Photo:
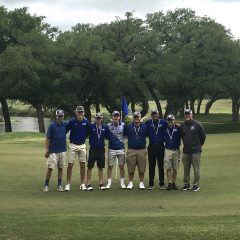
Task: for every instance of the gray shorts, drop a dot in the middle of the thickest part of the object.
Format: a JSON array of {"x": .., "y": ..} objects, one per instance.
[{"x": 116, "y": 154}]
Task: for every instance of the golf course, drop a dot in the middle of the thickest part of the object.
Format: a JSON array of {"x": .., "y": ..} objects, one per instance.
[{"x": 28, "y": 213}]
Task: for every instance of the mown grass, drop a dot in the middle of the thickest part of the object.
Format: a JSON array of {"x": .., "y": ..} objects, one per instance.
[{"x": 28, "y": 213}]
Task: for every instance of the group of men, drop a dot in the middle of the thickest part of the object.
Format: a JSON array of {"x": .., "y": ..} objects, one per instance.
[{"x": 164, "y": 143}]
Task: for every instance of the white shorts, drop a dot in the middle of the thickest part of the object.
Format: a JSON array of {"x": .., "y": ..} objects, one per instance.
[
  {"x": 116, "y": 154},
  {"x": 78, "y": 151},
  {"x": 56, "y": 160}
]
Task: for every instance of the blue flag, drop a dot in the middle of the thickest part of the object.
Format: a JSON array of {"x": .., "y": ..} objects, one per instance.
[{"x": 124, "y": 106}]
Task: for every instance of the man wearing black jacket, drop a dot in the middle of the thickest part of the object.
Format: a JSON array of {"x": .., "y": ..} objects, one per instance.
[{"x": 193, "y": 137}]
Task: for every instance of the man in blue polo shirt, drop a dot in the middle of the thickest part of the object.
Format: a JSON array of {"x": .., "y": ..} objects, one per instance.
[
  {"x": 156, "y": 130},
  {"x": 136, "y": 133},
  {"x": 79, "y": 128},
  {"x": 98, "y": 132},
  {"x": 56, "y": 149},
  {"x": 172, "y": 152}
]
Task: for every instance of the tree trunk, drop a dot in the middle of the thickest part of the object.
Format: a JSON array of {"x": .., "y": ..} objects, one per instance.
[
  {"x": 186, "y": 105},
  {"x": 145, "y": 107},
  {"x": 98, "y": 107},
  {"x": 155, "y": 98},
  {"x": 40, "y": 117},
  {"x": 6, "y": 115},
  {"x": 199, "y": 105},
  {"x": 192, "y": 107},
  {"x": 235, "y": 108},
  {"x": 171, "y": 108},
  {"x": 87, "y": 111},
  {"x": 210, "y": 103},
  {"x": 133, "y": 106}
]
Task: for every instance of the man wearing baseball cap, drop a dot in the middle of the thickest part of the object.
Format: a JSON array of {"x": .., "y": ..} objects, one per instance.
[
  {"x": 136, "y": 154},
  {"x": 79, "y": 128},
  {"x": 98, "y": 131},
  {"x": 193, "y": 137},
  {"x": 116, "y": 149},
  {"x": 172, "y": 152},
  {"x": 156, "y": 131},
  {"x": 56, "y": 149}
]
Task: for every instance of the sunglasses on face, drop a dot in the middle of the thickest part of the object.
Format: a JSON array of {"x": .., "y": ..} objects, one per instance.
[{"x": 60, "y": 116}]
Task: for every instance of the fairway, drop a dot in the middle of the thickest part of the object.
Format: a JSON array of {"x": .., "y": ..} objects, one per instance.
[{"x": 28, "y": 213}]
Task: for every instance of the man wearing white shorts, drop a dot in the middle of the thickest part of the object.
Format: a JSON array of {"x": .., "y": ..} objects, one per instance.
[
  {"x": 56, "y": 149},
  {"x": 172, "y": 152},
  {"x": 78, "y": 128},
  {"x": 116, "y": 150}
]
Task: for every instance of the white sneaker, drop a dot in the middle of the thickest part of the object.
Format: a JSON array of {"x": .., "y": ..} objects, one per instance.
[
  {"x": 141, "y": 186},
  {"x": 101, "y": 187},
  {"x": 46, "y": 188},
  {"x": 67, "y": 188},
  {"x": 89, "y": 187},
  {"x": 130, "y": 186},
  {"x": 122, "y": 186},
  {"x": 60, "y": 189},
  {"x": 83, "y": 187},
  {"x": 108, "y": 186}
]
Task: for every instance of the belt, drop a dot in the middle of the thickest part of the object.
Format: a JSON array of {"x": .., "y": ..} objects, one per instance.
[
  {"x": 156, "y": 144},
  {"x": 172, "y": 149},
  {"x": 81, "y": 143}
]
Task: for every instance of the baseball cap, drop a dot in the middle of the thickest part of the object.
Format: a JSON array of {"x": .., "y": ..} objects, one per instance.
[
  {"x": 170, "y": 117},
  {"x": 136, "y": 114},
  {"x": 59, "y": 112},
  {"x": 115, "y": 113},
  {"x": 187, "y": 111},
  {"x": 79, "y": 109},
  {"x": 99, "y": 115},
  {"x": 154, "y": 111}
]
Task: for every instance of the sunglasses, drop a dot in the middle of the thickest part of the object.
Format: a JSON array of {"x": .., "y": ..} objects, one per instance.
[{"x": 59, "y": 116}]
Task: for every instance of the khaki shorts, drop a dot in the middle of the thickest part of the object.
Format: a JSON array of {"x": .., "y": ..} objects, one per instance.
[
  {"x": 56, "y": 160},
  {"x": 116, "y": 154},
  {"x": 136, "y": 157},
  {"x": 171, "y": 159},
  {"x": 78, "y": 151}
]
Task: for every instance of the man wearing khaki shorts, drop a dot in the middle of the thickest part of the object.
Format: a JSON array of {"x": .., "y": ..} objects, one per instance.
[
  {"x": 172, "y": 152},
  {"x": 78, "y": 128},
  {"x": 136, "y": 154},
  {"x": 56, "y": 149}
]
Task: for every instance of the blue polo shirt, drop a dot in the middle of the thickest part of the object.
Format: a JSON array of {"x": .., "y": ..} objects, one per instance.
[
  {"x": 97, "y": 135},
  {"x": 78, "y": 130},
  {"x": 156, "y": 130},
  {"x": 136, "y": 135},
  {"x": 173, "y": 137},
  {"x": 57, "y": 137}
]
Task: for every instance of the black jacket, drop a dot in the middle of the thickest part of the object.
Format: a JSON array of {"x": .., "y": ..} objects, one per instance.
[{"x": 193, "y": 136}]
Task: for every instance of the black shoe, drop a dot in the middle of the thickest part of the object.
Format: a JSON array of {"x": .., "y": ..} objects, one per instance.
[
  {"x": 195, "y": 188},
  {"x": 186, "y": 187},
  {"x": 150, "y": 188},
  {"x": 174, "y": 186},
  {"x": 169, "y": 187}
]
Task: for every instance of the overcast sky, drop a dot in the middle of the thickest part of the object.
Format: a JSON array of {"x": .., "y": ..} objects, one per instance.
[{"x": 67, "y": 13}]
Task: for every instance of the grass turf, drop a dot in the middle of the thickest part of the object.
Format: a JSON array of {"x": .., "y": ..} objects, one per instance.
[{"x": 28, "y": 213}]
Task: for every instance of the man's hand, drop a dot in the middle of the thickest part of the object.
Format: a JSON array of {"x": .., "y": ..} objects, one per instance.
[{"x": 47, "y": 154}]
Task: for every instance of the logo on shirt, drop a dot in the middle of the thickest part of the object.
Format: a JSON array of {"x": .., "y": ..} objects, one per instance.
[
  {"x": 84, "y": 124},
  {"x": 192, "y": 127}
]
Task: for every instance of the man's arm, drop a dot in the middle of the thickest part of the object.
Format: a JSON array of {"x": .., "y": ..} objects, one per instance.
[
  {"x": 47, "y": 142},
  {"x": 201, "y": 133}
]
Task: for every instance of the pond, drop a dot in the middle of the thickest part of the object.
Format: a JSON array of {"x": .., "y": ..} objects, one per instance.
[{"x": 25, "y": 124}]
